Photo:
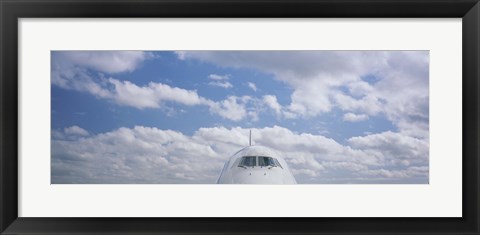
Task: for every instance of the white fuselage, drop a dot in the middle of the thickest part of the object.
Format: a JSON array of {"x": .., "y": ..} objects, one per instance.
[{"x": 256, "y": 165}]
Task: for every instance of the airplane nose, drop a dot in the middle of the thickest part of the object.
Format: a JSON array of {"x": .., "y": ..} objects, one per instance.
[{"x": 258, "y": 177}]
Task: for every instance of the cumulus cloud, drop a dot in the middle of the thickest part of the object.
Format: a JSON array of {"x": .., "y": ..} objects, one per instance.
[
  {"x": 400, "y": 174},
  {"x": 271, "y": 102},
  {"x": 76, "y": 130},
  {"x": 151, "y": 155},
  {"x": 252, "y": 86},
  {"x": 299, "y": 69},
  {"x": 151, "y": 96},
  {"x": 394, "y": 148},
  {"x": 361, "y": 84},
  {"x": 232, "y": 108},
  {"x": 219, "y": 77},
  {"x": 138, "y": 155},
  {"x": 105, "y": 61},
  {"x": 73, "y": 70},
  {"x": 223, "y": 84},
  {"x": 126, "y": 93},
  {"x": 323, "y": 80},
  {"x": 220, "y": 80},
  {"x": 68, "y": 75},
  {"x": 351, "y": 117},
  {"x": 368, "y": 104}
]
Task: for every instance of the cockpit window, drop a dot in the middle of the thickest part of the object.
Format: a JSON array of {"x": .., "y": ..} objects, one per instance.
[
  {"x": 266, "y": 161},
  {"x": 278, "y": 163},
  {"x": 251, "y": 161},
  {"x": 248, "y": 162}
]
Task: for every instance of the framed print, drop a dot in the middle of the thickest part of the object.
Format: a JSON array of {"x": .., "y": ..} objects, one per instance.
[{"x": 239, "y": 117}]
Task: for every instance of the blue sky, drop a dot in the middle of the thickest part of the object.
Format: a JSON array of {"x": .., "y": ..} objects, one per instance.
[{"x": 176, "y": 116}]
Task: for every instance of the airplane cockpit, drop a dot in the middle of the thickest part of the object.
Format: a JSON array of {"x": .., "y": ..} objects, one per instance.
[
  {"x": 260, "y": 161},
  {"x": 256, "y": 165}
]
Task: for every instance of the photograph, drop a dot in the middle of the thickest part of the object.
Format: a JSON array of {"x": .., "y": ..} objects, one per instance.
[
  {"x": 155, "y": 117},
  {"x": 239, "y": 117}
]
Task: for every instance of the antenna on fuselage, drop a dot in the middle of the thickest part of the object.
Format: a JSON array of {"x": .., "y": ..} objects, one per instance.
[{"x": 250, "y": 137}]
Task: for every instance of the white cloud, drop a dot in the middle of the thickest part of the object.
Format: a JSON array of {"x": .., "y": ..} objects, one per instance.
[
  {"x": 351, "y": 117},
  {"x": 76, "y": 130},
  {"x": 232, "y": 108},
  {"x": 394, "y": 148},
  {"x": 223, "y": 84},
  {"x": 271, "y": 101},
  {"x": 253, "y": 116},
  {"x": 126, "y": 93},
  {"x": 220, "y": 80},
  {"x": 349, "y": 166},
  {"x": 252, "y": 86},
  {"x": 310, "y": 99},
  {"x": 138, "y": 155},
  {"x": 399, "y": 174},
  {"x": 151, "y": 96},
  {"x": 309, "y": 73},
  {"x": 151, "y": 155},
  {"x": 360, "y": 88},
  {"x": 70, "y": 71},
  {"x": 320, "y": 80},
  {"x": 219, "y": 77},
  {"x": 323, "y": 80},
  {"x": 105, "y": 61},
  {"x": 368, "y": 104}
]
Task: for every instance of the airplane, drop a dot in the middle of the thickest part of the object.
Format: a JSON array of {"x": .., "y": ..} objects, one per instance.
[{"x": 256, "y": 165}]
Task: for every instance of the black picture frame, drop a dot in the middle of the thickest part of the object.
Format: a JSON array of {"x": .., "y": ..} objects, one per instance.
[{"x": 12, "y": 10}]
